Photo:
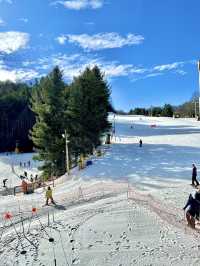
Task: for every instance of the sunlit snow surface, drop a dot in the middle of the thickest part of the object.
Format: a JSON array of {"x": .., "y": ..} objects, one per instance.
[{"x": 147, "y": 229}]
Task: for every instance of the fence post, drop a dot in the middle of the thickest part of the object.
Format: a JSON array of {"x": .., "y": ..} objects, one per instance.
[
  {"x": 102, "y": 189},
  {"x": 128, "y": 188},
  {"x": 48, "y": 219},
  {"x": 80, "y": 193},
  {"x": 53, "y": 217}
]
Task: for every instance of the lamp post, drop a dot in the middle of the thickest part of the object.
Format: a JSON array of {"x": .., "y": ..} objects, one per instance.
[
  {"x": 66, "y": 151},
  {"x": 114, "y": 124},
  {"x": 199, "y": 87},
  {"x": 195, "y": 108}
]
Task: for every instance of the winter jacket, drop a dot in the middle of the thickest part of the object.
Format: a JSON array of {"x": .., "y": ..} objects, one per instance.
[
  {"x": 194, "y": 172},
  {"x": 194, "y": 204},
  {"x": 49, "y": 193}
]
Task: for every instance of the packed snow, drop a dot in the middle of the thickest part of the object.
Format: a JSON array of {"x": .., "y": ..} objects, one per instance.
[{"x": 124, "y": 209}]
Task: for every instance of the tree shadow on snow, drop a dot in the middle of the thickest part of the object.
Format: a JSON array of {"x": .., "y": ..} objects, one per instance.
[
  {"x": 150, "y": 163},
  {"x": 144, "y": 130}
]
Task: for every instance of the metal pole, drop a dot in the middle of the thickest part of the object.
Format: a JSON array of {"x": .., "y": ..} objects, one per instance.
[
  {"x": 199, "y": 93},
  {"x": 48, "y": 219},
  {"x": 67, "y": 153},
  {"x": 198, "y": 64}
]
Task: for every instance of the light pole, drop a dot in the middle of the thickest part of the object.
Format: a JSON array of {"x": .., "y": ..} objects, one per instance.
[
  {"x": 195, "y": 108},
  {"x": 199, "y": 87},
  {"x": 66, "y": 151},
  {"x": 114, "y": 124}
]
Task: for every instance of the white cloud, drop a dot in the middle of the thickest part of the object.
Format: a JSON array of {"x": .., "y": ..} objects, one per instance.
[
  {"x": 73, "y": 65},
  {"x": 81, "y": 4},
  {"x": 16, "y": 75},
  {"x": 181, "y": 72},
  {"x": 101, "y": 40},
  {"x": 2, "y": 22},
  {"x": 114, "y": 69},
  {"x": 61, "y": 39},
  {"x": 12, "y": 41},
  {"x": 153, "y": 75},
  {"x": 171, "y": 66}
]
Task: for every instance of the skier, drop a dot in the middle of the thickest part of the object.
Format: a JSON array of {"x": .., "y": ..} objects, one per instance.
[
  {"x": 4, "y": 182},
  {"x": 31, "y": 179},
  {"x": 36, "y": 177},
  {"x": 29, "y": 164},
  {"x": 194, "y": 175},
  {"x": 193, "y": 211},
  {"x": 140, "y": 143},
  {"x": 20, "y": 164},
  {"x": 49, "y": 196},
  {"x": 24, "y": 187}
]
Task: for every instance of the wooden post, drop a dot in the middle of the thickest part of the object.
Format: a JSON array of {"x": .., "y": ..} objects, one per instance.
[
  {"x": 48, "y": 219},
  {"x": 80, "y": 193}
]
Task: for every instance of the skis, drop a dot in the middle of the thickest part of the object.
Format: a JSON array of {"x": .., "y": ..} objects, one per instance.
[{"x": 49, "y": 205}]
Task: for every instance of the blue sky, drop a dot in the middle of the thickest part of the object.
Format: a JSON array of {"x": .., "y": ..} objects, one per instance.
[{"x": 147, "y": 48}]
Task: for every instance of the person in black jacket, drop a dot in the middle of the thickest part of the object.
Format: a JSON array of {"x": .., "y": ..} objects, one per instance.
[
  {"x": 194, "y": 175},
  {"x": 4, "y": 182},
  {"x": 193, "y": 209},
  {"x": 140, "y": 143}
]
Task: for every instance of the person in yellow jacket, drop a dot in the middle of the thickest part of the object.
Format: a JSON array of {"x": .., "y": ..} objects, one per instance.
[{"x": 49, "y": 196}]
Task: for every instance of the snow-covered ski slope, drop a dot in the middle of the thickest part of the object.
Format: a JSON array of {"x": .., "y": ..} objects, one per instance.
[
  {"x": 168, "y": 151},
  {"x": 146, "y": 229},
  {"x": 10, "y": 161}
]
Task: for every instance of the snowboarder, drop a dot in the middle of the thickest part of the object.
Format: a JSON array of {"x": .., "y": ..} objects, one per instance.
[
  {"x": 194, "y": 175},
  {"x": 29, "y": 164},
  {"x": 4, "y": 182},
  {"x": 49, "y": 196},
  {"x": 140, "y": 143},
  {"x": 193, "y": 211},
  {"x": 20, "y": 164},
  {"x": 24, "y": 165}
]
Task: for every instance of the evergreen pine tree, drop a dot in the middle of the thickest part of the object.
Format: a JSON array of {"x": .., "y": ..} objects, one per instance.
[
  {"x": 48, "y": 105},
  {"x": 167, "y": 110},
  {"x": 88, "y": 108}
]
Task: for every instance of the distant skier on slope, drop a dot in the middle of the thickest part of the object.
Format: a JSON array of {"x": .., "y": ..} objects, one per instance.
[
  {"x": 194, "y": 175},
  {"x": 49, "y": 196},
  {"x": 193, "y": 208},
  {"x": 140, "y": 143},
  {"x": 4, "y": 182}
]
